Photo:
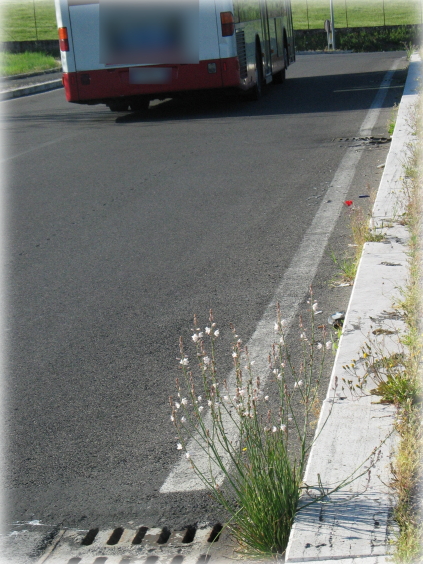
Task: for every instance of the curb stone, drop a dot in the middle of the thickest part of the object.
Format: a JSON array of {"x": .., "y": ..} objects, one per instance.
[
  {"x": 355, "y": 524},
  {"x": 28, "y": 90}
]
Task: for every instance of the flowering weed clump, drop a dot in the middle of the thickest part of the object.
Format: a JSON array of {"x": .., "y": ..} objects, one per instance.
[{"x": 255, "y": 443}]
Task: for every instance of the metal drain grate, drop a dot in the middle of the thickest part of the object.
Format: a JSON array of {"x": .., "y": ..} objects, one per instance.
[
  {"x": 194, "y": 545},
  {"x": 368, "y": 140}
]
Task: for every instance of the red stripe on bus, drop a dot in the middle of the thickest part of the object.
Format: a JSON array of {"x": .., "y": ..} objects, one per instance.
[{"x": 114, "y": 83}]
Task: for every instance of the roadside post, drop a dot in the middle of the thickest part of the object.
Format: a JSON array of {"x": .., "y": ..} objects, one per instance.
[
  {"x": 328, "y": 29},
  {"x": 332, "y": 24}
]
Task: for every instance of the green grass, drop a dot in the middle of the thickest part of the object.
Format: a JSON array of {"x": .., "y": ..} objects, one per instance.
[
  {"x": 17, "y": 22},
  {"x": 21, "y": 63},
  {"x": 355, "y": 13}
]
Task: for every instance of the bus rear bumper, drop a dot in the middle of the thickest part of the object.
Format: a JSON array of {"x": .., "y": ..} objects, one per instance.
[{"x": 105, "y": 84}]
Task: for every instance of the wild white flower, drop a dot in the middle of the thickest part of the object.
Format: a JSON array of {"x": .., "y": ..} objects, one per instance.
[
  {"x": 207, "y": 330},
  {"x": 206, "y": 360},
  {"x": 184, "y": 401},
  {"x": 328, "y": 345},
  {"x": 252, "y": 362},
  {"x": 276, "y": 326},
  {"x": 282, "y": 340},
  {"x": 314, "y": 307},
  {"x": 239, "y": 342},
  {"x": 200, "y": 398},
  {"x": 279, "y": 376},
  {"x": 179, "y": 446},
  {"x": 284, "y": 323},
  {"x": 235, "y": 355},
  {"x": 177, "y": 405},
  {"x": 200, "y": 335},
  {"x": 319, "y": 346},
  {"x": 216, "y": 333},
  {"x": 266, "y": 429},
  {"x": 184, "y": 361},
  {"x": 298, "y": 384},
  {"x": 195, "y": 337},
  {"x": 283, "y": 428},
  {"x": 266, "y": 398},
  {"x": 172, "y": 418},
  {"x": 275, "y": 371},
  {"x": 226, "y": 398},
  {"x": 183, "y": 419},
  {"x": 274, "y": 429},
  {"x": 209, "y": 403},
  {"x": 187, "y": 455},
  {"x": 242, "y": 392},
  {"x": 200, "y": 409},
  {"x": 289, "y": 418},
  {"x": 303, "y": 337}
]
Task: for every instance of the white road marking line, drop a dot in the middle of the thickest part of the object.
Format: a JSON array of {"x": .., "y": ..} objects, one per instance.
[
  {"x": 38, "y": 147},
  {"x": 290, "y": 293}
]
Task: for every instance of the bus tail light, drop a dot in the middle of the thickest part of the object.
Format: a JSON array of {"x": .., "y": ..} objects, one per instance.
[
  {"x": 228, "y": 23},
  {"x": 63, "y": 39}
]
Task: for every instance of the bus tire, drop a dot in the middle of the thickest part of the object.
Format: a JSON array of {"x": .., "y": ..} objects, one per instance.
[
  {"x": 139, "y": 104},
  {"x": 257, "y": 90},
  {"x": 279, "y": 77},
  {"x": 118, "y": 105}
]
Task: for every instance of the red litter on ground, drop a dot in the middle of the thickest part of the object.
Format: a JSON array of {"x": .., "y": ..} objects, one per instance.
[{"x": 348, "y": 203}]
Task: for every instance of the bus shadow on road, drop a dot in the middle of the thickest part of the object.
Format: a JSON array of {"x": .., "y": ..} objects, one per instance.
[{"x": 327, "y": 94}]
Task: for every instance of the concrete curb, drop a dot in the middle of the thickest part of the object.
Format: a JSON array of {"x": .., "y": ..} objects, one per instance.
[
  {"x": 354, "y": 524},
  {"x": 33, "y": 89}
]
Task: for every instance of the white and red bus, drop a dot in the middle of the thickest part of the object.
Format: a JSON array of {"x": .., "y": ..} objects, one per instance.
[{"x": 126, "y": 53}]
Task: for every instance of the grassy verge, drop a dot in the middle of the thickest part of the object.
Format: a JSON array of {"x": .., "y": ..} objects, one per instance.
[
  {"x": 406, "y": 469},
  {"x": 27, "y": 20},
  {"x": 20, "y": 63},
  {"x": 311, "y": 14}
]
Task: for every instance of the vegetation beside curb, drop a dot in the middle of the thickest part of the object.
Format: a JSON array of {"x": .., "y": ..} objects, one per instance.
[
  {"x": 398, "y": 376},
  {"x": 407, "y": 467},
  {"x": 21, "y": 63}
]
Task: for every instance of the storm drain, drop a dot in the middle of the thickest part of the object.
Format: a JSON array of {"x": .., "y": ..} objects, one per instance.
[
  {"x": 360, "y": 141},
  {"x": 194, "y": 545}
]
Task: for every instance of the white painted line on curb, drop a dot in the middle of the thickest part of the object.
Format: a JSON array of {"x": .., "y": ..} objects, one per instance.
[{"x": 290, "y": 293}]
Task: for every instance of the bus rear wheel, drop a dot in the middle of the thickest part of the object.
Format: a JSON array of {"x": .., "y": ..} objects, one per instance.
[
  {"x": 139, "y": 104},
  {"x": 118, "y": 105},
  {"x": 279, "y": 77},
  {"x": 257, "y": 90}
]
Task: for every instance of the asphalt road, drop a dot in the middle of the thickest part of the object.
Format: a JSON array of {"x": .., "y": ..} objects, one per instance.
[{"x": 119, "y": 228}]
